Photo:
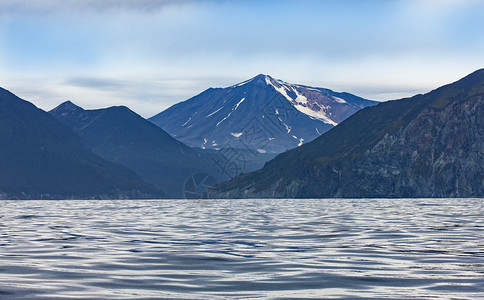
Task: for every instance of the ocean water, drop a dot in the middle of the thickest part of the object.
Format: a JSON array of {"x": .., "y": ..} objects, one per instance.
[{"x": 242, "y": 249}]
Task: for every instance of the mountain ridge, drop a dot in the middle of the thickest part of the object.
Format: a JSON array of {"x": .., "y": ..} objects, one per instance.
[
  {"x": 401, "y": 148},
  {"x": 120, "y": 135},
  {"x": 40, "y": 158}
]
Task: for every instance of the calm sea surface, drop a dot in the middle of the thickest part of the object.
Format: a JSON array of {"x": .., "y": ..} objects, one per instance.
[{"x": 244, "y": 249}]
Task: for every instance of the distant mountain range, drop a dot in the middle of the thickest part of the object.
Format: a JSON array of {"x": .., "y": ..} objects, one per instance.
[
  {"x": 40, "y": 158},
  {"x": 429, "y": 145},
  {"x": 262, "y": 114},
  {"x": 426, "y": 146},
  {"x": 120, "y": 135}
]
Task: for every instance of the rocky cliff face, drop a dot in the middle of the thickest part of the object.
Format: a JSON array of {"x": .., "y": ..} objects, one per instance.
[
  {"x": 427, "y": 146},
  {"x": 438, "y": 154}
]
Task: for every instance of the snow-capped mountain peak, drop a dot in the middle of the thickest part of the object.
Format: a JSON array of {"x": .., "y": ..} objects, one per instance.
[
  {"x": 259, "y": 79},
  {"x": 280, "y": 115}
]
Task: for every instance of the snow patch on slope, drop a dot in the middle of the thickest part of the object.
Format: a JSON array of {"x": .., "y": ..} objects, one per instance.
[
  {"x": 214, "y": 112},
  {"x": 317, "y": 115},
  {"x": 299, "y": 139},
  {"x": 339, "y": 100},
  {"x": 288, "y": 128},
  {"x": 242, "y": 83},
  {"x": 299, "y": 98},
  {"x": 187, "y": 121},
  {"x": 233, "y": 109},
  {"x": 281, "y": 90}
]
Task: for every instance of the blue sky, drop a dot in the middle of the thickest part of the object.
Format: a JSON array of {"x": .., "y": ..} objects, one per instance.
[{"x": 149, "y": 54}]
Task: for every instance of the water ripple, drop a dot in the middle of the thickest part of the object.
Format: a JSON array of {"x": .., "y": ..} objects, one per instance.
[{"x": 245, "y": 249}]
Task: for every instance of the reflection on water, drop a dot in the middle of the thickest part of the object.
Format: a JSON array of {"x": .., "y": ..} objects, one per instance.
[{"x": 426, "y": 248}]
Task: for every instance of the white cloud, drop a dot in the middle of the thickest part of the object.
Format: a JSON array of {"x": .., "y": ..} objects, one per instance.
[
  {"x": 151, "y": 54},
  {"x": 86, "y": 6}
]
